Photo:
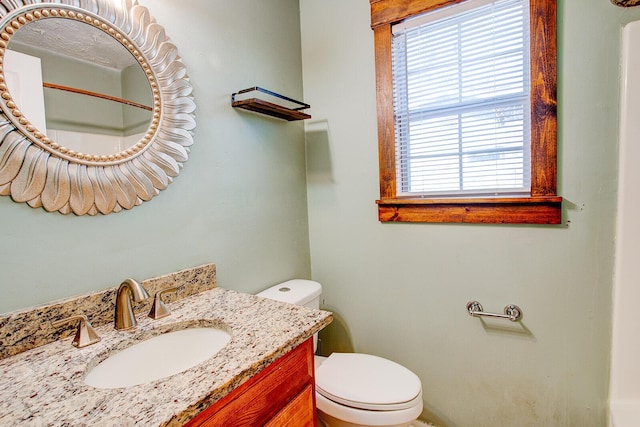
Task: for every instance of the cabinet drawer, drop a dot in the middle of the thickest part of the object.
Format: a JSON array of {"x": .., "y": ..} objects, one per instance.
[
  {"x": 255, "y": 402},
  {"x": 298, "y": 413}
]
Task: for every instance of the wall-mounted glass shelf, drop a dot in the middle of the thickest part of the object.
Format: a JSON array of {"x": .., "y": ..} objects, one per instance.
[{"x": 270, "y": 108}]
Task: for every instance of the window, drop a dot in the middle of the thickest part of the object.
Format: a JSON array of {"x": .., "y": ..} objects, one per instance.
[
  {"x": 466, "y": 110},
  {"x": 461, "y": 100}
]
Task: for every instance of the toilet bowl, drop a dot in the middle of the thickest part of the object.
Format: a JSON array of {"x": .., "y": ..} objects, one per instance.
[{"x": 354, "y": 389}]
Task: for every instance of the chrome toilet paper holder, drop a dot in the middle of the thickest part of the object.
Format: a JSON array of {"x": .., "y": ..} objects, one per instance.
[{"x": 511, "y": 311}]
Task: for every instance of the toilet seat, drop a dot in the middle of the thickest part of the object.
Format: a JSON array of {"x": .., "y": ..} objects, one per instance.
[
  {"x": 368, "y": 382},
  {"x": 329, "y": 410}
]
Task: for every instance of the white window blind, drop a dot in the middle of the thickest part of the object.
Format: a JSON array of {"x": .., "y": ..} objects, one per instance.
[{"x": 462, "y": 101}]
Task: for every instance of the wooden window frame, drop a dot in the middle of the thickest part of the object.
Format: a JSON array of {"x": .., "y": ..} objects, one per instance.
[{"x": 543, "y": 206}]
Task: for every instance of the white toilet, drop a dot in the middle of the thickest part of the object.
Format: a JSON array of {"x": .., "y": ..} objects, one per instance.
[{"x": 353, "y": 389}]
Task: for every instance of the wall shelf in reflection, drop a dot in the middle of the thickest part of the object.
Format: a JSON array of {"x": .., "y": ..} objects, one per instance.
[
  {"x": 47, "y": 85},
  {"x": 269, "y": 108}
]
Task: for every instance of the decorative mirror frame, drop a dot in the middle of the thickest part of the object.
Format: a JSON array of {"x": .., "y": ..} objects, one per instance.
[
  {"x": 626, "y": 3},
  {"x": 37, "y": 171}
]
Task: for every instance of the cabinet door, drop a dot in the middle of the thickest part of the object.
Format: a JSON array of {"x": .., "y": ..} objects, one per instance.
[
  {"x": 258, "y": 400},
  {"x": 298, "y": 413}
]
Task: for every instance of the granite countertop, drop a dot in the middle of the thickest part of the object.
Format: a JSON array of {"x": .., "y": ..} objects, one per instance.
[{"x": 45, "y": 387}]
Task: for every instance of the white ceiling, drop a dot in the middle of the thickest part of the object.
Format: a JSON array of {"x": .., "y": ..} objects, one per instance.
[{"x": 75, "y": 39}]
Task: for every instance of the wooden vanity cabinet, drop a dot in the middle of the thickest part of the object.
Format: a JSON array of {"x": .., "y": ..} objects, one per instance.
[{"x": 283, "y": 394}]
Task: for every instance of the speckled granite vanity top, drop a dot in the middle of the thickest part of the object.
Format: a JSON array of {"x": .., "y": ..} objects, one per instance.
[{"x": 45, "y": 386}]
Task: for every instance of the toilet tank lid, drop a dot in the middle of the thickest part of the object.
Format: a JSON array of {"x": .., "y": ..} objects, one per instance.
[{"x": 296, "y": 291}]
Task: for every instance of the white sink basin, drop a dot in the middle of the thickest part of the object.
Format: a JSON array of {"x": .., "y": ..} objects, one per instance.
[{"x": 158, "y": 357}]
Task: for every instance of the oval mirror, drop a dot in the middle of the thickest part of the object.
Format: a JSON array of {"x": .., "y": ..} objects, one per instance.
[
  {"x": 97, "y": 106},
  {"x": 95, "y": 97}
]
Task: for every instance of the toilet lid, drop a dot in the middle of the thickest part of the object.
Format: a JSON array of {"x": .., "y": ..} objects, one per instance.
[{"x": 367, "y": 382}]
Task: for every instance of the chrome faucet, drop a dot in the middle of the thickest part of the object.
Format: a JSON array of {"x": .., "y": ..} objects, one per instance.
[{"x": 129, "y": 291}]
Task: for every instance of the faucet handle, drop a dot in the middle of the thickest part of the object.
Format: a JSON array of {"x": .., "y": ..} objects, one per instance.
[
  {"x": 85, "y": 334},
  {"x": 159, "y": 309}
]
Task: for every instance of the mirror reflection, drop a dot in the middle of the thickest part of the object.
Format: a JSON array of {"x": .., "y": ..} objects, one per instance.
[{"x": 78, "y": 85}]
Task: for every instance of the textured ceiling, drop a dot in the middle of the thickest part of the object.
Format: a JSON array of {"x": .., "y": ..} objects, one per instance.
[{"x": 75, "y": 39}]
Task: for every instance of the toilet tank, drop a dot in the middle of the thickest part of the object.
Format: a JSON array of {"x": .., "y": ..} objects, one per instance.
[{"x": 296, "y": 291}]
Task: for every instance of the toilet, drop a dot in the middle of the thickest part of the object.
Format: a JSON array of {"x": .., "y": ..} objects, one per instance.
[{"x": 354, "y": 389}]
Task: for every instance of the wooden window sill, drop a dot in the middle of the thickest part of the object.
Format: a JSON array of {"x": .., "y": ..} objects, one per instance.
[{"x": 507, "y": 210}]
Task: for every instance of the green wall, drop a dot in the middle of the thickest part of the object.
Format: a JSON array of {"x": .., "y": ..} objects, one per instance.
[
  {"x": 400, "y": 290},
  {"x": 240, "y": 200},
  {"x": 81, "y": 113}
]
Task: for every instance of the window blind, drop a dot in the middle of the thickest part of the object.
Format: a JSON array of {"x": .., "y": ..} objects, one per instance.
[{"x": 461, "y": 83}]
